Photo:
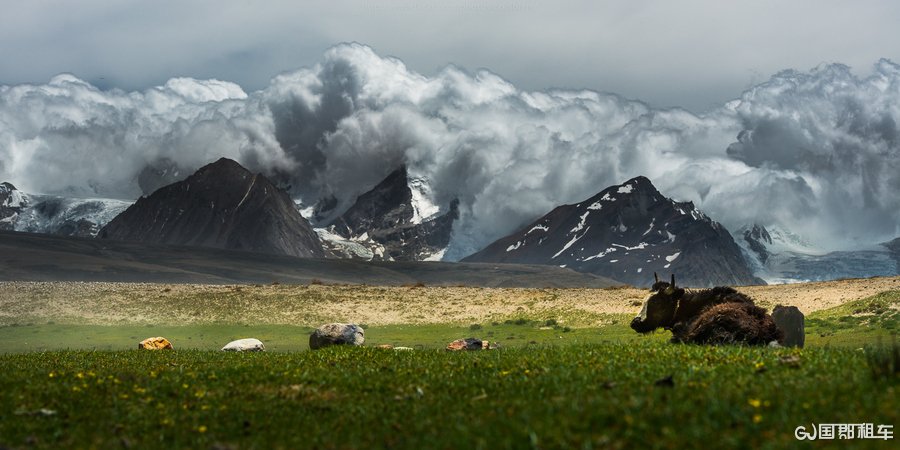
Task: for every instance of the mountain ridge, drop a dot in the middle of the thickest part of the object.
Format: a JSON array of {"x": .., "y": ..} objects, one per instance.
[
  {"x": 627, "y": 232},
  {"x": 221, "y": 205}
]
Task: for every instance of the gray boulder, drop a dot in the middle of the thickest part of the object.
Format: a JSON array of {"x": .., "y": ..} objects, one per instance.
[
  {"x": 244, "y": 345},
  {"x": 468, "y": 344},
  {"x": 790, "y": 320},
  {"x": 337, "y": 334}
]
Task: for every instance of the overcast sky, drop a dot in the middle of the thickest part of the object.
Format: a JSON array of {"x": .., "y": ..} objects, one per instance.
[{"x": 690, "y": 53}]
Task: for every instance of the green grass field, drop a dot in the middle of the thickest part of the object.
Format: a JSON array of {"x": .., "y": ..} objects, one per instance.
[
  {"x": 577, "y": 396},
  {"x": 510, "y": 333},
  {"x": 548, "y": 386}
]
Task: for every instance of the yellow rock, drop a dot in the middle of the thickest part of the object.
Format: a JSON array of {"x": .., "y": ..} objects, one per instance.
[{"x": 155, "y": 343}]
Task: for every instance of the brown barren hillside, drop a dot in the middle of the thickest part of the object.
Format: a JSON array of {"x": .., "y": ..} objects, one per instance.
[{"x": 147, "y": 303}]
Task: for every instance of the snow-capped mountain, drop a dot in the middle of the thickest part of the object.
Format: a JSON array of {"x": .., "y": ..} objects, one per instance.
[
  {"x": 221, "y": 205},
  {"x": 395, "y": 220},
  {"x": 779, "y": 256},
  {"x": 627, "y": 233},
  {"x": 37, "y": 213}
]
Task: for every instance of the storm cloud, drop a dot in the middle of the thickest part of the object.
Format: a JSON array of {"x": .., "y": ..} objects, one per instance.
[{"x": 816, "y": 152}]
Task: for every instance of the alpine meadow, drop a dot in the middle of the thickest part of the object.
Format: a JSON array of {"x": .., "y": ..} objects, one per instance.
[{"x": 449, "y": 224}]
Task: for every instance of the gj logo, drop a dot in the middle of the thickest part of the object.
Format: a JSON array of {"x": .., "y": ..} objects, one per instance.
[{"x": 844, "y": 431}]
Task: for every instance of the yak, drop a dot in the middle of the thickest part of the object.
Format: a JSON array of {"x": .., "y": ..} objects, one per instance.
[{"x": 720, "y": 315}]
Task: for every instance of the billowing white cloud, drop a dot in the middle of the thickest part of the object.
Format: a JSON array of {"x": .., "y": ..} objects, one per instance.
[{"x": 816, "y": 152}]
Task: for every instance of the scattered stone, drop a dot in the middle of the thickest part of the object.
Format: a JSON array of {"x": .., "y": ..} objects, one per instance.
[
  {"x": 44, "y": 412},
  {"x": 391, "y": 347},
  {"x": 337, "y": 334},
  {"x": 774, "y": 344},
  {"x": 244, "y": 345},
  {"x": 155, "y": 343},
  {"x": 789, "y": 320},
  {"x": 468, "y": 344}
]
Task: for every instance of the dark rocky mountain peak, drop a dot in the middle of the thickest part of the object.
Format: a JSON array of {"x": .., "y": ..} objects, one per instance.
[
  {"x": 627, "y": 232},
  {"x": 397, "y": 221},
  {"x": 759, "y": 240},
  {"x": 388, "y": 205},
  {"x": 221, "y": 205}
]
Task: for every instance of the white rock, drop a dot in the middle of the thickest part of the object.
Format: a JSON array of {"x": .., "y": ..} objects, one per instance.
[{"x": 244, "y": 345}]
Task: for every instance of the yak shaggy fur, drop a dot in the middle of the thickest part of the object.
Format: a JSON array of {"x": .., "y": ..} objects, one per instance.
[{"x": 720, "y": 315}]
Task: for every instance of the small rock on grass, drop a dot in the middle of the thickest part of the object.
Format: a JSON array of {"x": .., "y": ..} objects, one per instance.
[
  {"x": 244, "y": 345},
  {"x": 155, "y": 343},
  {"x": 337, "y": 334},
  {"x": 468, "y": 344},
  {"x": 391, "y": 347}
]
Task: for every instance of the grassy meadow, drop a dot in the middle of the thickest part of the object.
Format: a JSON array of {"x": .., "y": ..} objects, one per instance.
[{"x": 569, "y": 373}]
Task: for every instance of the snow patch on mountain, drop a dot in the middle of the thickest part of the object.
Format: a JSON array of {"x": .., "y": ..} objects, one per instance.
[
  {"x": 349, "y": 248},
  {"x": 436, "y": 256},
  {"x": 423, "y": 207},
  {"x": 580, "y": 225},
  {"x": 569, "y": 244},
  {"x": 640, "y": 246},
  {"x": 538, "y": 228},
  {"x": 601, "y": 254}
]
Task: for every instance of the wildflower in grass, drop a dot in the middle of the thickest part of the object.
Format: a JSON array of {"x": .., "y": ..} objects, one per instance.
[
  {"x": 755, "y": 402},
  {"x": 201, "y": 429},
  {"x": 757, "y": 418}
]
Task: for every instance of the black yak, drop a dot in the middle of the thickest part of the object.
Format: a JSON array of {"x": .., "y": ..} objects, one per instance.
[{"x": 720, "y": 315}]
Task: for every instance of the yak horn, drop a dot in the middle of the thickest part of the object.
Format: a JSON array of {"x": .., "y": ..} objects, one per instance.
[
  {"x": 673, "y": 280},
  {"x": 655, "y": 278}
]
